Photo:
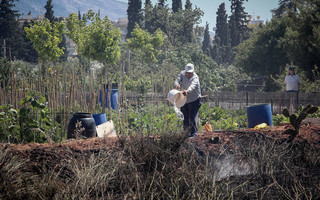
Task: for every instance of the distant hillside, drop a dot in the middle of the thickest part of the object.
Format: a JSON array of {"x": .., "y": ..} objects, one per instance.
[{"x": 62, "y": 8}]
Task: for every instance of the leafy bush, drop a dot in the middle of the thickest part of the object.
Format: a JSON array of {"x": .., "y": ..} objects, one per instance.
[
  {"x": 223, "y": 119},
  {"x": 30, "y": 123}
]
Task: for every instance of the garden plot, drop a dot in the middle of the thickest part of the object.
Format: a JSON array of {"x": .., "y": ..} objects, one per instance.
[{"x": 254, "y": 163}]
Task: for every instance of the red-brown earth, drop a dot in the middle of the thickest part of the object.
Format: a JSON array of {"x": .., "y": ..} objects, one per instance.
[{"x": 53, "y": 156}]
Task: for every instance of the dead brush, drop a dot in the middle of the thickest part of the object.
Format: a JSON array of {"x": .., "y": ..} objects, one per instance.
[
  {"x": 79, "y": 130},
  {"x": 12, "y": 179},
  {"x": 282, "y": 170}
]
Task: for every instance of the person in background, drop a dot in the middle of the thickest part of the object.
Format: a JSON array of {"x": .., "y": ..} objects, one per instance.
[
  {"x": 190, "y": 86},
  {"x": 292, "y": 81}
]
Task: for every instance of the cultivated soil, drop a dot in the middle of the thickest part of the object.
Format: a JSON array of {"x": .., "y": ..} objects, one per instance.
[
  {"x": 228, "y": 141},
  {"x": 53, "y": 156}
]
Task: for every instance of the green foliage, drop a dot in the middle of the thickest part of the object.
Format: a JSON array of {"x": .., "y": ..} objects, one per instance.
[
  {"x": 4, "y": 72},
  {"x": 314, "y": 114},
  {"x": 135, "y": 16},
  {"x": 278, "y": 119},
  {"x": 283, "y": 6},
  {"x": 8, "y": 23},
  {"x": 45, "y": 38},
  {"x": 139, "y": 119},
  {"x": 221, "y": 50},
  {"x": 146, "y": 43},
  {"x": 30, "y": 123},
  {"x": 301, "y": 41},
  {"x": 238, "y": 22},
  {"x": 263, "y": 52},
  {"x": 141, "y": 85},
  {"x": 178, "y": 26},
  {"x": 98, "y": 40},
  {"x": 176, "y": 5},
  {"x": 22, "y": 47},
  {"x": 221, "y": 119},
  {"x": 49, "y": 14},
  {"x": 295, "y": 120},
  {"x": 291, "y": 38},
  {"x": 188, "y": 5},
  {"x": 206, "y": 40},
  {"x": 276, "y": 82}
]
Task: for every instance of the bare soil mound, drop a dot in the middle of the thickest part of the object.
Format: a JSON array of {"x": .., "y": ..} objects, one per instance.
[
  {"x": 258, "y": 160},
  {"x": 53, "y": 156},
  {"x": 222, "y": 141}
]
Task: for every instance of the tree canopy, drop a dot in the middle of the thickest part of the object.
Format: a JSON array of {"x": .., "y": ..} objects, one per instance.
[
  {"x": 45, "y": 37},
  {"x": 135, "y": 15},
  {"x": 98, "y": 40}
]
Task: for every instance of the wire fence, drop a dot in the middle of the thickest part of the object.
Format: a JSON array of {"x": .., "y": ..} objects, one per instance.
[{"x": 240, "y": 100}]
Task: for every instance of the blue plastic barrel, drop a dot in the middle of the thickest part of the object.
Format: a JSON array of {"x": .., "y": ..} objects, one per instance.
[
  {"x": 258, "y": 114},
  {"x": 114, "y": 99},
  {"x": 100, "y": 118}
]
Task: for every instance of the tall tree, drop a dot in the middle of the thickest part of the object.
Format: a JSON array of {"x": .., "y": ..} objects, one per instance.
[
  {"x": 222, "y": 29},
  {"x": 283, "y": 5},
  {"x": 63, "y": 44},
  {"x": 45, "y": 38},
  {"x": 147, "y": 15},
  {"x": 188, "y": 5},
  {"x": 206, "y": 40},
  {"x": 188, "y": 25},
  {"x": 176, "y": 5},
  {"x": 238, "y": 22},
  {"x": 8, "y": 23},
  {"x": 49, "y": 14},
  {"x": 135, "y": 16},
  {"x": 22, "y": 47},
  {"x": 221, "y": 51}
]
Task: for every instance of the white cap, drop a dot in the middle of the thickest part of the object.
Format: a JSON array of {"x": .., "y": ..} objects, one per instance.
[{"x": 189, "y": 68}]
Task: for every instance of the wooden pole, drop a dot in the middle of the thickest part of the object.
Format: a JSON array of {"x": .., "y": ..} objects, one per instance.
[{"x": 4, "y": 48}]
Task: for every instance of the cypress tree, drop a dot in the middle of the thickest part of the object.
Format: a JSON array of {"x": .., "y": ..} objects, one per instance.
[
  {"x": 283, "y": 5},
  {"x": 49, "y": 14},
  {"x": 24, "y": 50},
  {"x": 176, "y": 5},
  {"x": 8, "y": 23},
  {"x": 147, "y": 15},
  {"x": 206, "y": 40},
  {"x": 135, "y": 16},
  {"x": 222, "y": 29},
  {"x": 188, "y": 5},
  {"x": 188, "y": 26},
  {"x": 238, "y": 22}
]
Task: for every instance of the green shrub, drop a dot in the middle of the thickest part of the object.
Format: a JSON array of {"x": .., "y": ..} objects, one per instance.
[{"x": 29, "y": 123}]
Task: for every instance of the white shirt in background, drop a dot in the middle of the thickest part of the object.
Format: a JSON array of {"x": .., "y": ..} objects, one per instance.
[{"x": 292, "y": 82}]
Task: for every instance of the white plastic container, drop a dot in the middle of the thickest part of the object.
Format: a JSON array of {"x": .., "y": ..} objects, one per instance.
[
  {"x": 106, "y": 129},
  {"x": 178, "y": 97}
]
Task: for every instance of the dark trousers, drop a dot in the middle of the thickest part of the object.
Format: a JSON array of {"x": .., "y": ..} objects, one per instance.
[{"x": 190, "y": 112}]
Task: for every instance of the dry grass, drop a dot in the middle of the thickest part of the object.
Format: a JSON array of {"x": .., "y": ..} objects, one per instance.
[{"x": 168, "y": 167}]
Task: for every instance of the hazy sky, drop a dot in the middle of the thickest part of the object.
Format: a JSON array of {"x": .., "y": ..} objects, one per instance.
[{"x": 209, "y": 7}]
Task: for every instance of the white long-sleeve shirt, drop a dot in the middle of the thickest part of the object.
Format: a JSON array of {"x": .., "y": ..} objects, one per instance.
[
  {"x": 192, "y": 85},
  {"x": 292, "y": 82}
]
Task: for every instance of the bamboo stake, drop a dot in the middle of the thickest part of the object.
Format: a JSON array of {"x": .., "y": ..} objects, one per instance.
[
  {"x": 151, "y": 110},
  {"x": 164, "y": 102}
]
